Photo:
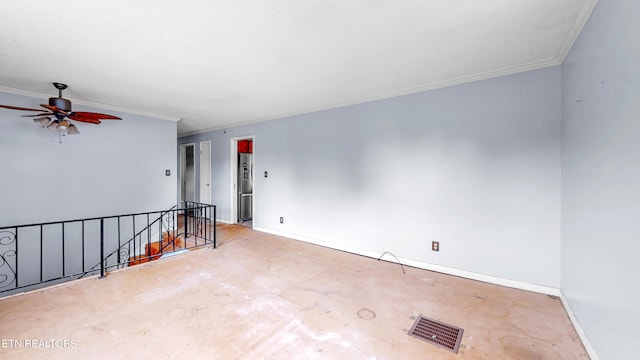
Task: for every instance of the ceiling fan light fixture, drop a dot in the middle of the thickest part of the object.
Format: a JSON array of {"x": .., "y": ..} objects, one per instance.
[
  {"x": 63, "y": 125},
  {"x": 53, "y": 125},
  {"x": 42, "y": 122},
  {"x": 73, "y": 130}
]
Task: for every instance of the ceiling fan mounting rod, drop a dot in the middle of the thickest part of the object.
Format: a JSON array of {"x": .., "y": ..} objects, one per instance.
[{"x": 60, "y": 87}]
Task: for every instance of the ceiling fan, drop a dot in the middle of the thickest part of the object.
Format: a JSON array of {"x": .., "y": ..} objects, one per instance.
[{"x": 58, "y": 114}]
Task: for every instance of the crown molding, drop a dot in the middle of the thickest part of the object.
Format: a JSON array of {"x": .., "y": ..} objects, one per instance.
[
  {"x": 575, "y": 30},
  {"x": 535, "y": 65}
]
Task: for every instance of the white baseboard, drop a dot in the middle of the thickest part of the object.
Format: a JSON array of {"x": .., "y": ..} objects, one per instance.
[
  {"x": 423, "y": 265},
  {"x": 583, "y": 336},
  {"x": 224, "y": 221},
  {"x": 456, "y": 272}
]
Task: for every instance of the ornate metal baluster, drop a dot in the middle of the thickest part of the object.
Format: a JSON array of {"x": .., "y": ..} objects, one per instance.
[{"x": 8, "y": 250}]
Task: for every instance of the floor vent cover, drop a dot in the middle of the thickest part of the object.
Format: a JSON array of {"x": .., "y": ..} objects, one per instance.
[{"x": 437, "y": 333}]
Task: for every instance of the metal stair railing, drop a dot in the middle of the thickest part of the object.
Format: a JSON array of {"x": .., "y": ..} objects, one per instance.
[
  {"x": 126, "y": 246},
  {"x": 42, "y": 254}
]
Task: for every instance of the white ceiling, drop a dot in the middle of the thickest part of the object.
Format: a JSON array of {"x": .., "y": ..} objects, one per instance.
[{"x": 215, "y": 64}]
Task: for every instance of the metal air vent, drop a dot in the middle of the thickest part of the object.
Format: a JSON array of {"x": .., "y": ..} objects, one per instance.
[{"x": 437, "y": 333}]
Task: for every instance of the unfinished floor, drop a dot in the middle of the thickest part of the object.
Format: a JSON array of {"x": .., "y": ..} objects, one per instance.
[{"x": 260, "y": 296}]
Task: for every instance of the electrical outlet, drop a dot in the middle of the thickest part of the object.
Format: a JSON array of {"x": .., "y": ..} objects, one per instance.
[
  {"x": 435, "y": 245},
  {"x": 281, "y": 220}
]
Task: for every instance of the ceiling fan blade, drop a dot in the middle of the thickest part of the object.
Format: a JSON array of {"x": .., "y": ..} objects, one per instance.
[
  {"x": 76, "y": 117},
  {"x": 55, "y": 109},
  {"x": 92, "y": 115},
  {"x": 41, "y": 114},
  {"x": 18, "y": 108}
]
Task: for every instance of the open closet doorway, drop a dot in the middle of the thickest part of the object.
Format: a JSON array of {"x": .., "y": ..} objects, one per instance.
[
  {"x": 242, "y": 181},
  {"x": 187, "y": 174}
]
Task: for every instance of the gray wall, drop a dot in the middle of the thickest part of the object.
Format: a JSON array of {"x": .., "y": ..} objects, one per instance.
[
  {"x": 112, "y": 168},
  {"x": 117, "y": 167},
  {"x": 601, "y": 178},
  {"x": 475, "y": 166}
]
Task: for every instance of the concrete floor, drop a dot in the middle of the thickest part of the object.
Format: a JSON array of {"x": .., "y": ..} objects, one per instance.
[{"x": 260, "y": 296}]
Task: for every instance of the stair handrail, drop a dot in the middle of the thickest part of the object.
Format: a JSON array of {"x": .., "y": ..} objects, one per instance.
[
  {"x": 128, "y": 242},
  {"x": 189, "y": 206}
]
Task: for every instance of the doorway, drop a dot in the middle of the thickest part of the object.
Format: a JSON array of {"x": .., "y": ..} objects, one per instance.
[
  {"x": 187, "y": 174},
  {"x": 242, "y": 164},
  {"x": 205, "y": 172}
]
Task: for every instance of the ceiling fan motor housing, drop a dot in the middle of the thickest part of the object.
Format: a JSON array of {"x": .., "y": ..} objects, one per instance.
[{"x": 60, "y": 103}]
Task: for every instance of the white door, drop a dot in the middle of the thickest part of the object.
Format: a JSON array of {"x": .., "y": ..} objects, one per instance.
[{"x": 205, "y": 172}]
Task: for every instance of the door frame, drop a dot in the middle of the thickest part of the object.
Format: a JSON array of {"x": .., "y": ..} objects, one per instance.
[
  {"x": 202, "y": 186},
  {"x": 233, "y": 166},
  {"x": 183, "y": 167}
]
